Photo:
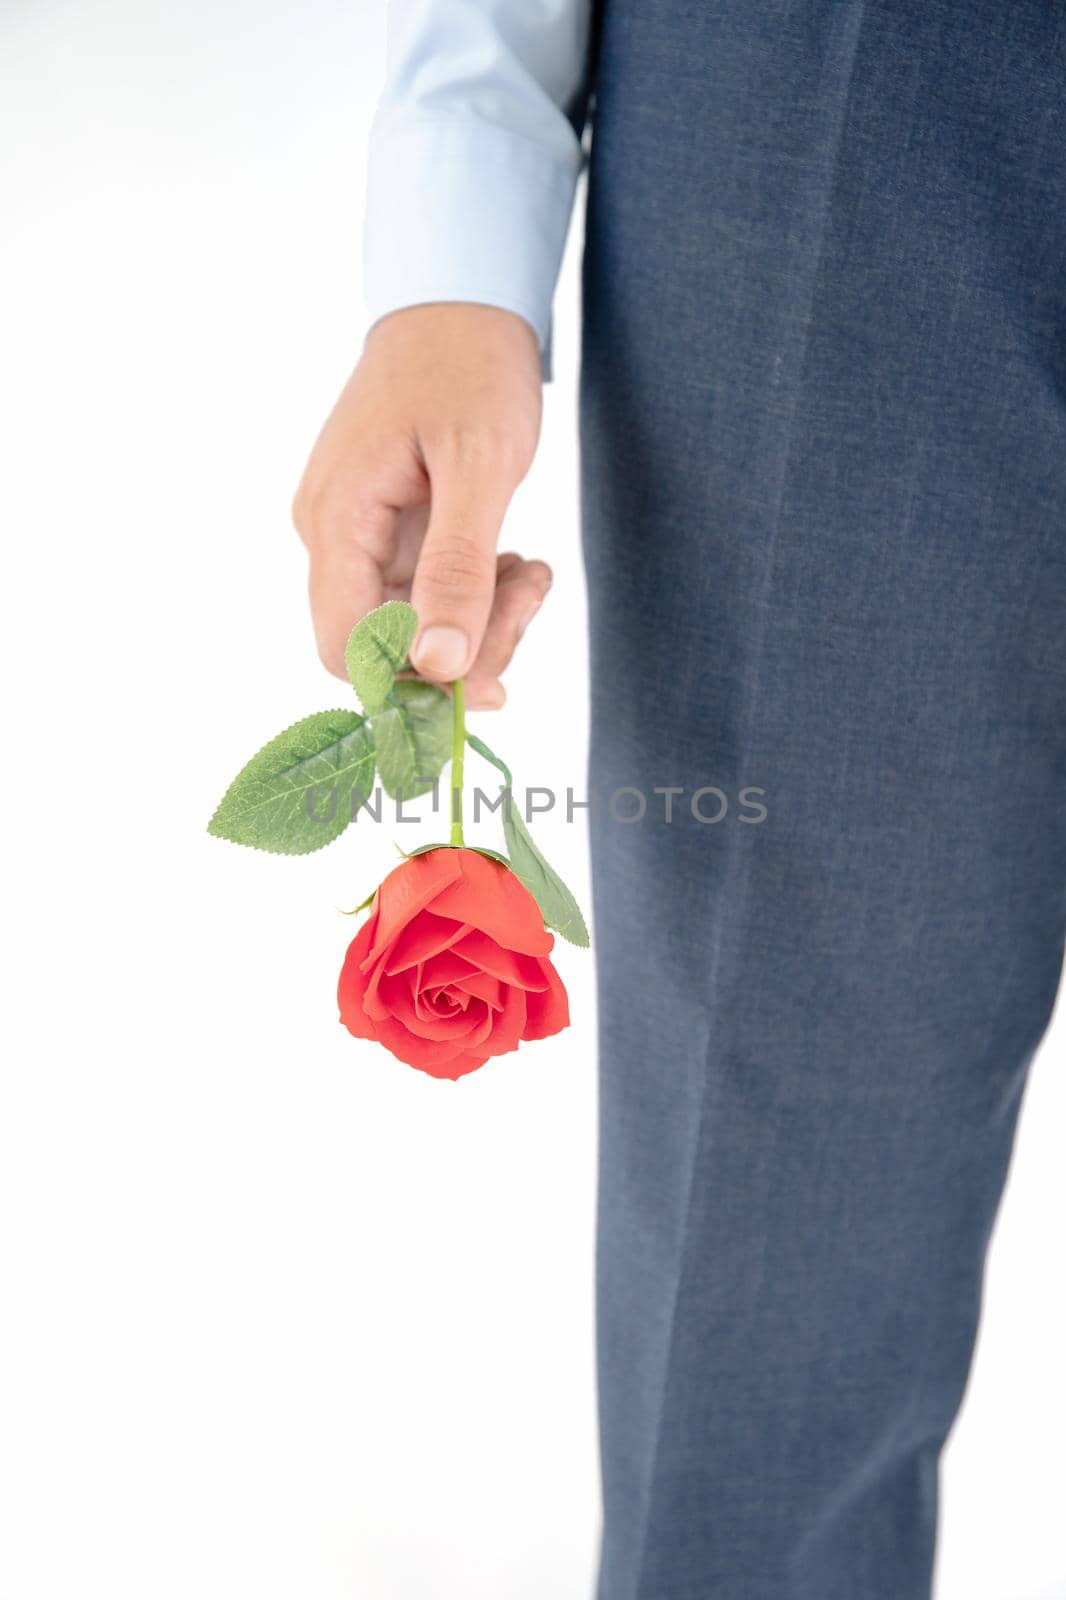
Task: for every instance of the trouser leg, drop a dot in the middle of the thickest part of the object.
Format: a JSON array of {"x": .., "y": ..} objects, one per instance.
[{"x": 824, "y": 482}]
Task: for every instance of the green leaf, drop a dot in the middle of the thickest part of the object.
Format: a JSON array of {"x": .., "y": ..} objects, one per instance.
[
  {"x": 354, "y": 912},
  {"x": 558, "y": 907},
  {"x": 299, "y": 792},
  {"x": 377, "y": 650},
  {"x": 483, "y": 750},
  {"x": 493, "y": 855},
  {"x": 412, "y": 737}
]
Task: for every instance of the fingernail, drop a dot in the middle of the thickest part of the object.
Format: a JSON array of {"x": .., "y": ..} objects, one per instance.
[{"x": 441, "y": 652}]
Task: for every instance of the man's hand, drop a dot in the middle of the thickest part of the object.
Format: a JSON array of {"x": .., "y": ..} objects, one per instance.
[{"x": 407, "y": 486}]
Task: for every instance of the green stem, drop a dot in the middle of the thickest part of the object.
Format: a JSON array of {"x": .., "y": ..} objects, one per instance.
[{"x": 458, "y": 743}]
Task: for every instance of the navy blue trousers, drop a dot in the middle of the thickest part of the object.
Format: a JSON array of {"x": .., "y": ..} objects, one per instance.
[{"x": 824, "y": 492}]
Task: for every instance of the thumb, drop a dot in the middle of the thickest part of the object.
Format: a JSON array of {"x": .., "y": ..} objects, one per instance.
[{"x": 455, "y": 578}]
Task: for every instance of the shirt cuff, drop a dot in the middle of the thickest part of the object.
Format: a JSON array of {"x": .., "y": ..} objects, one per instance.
[{"x": 466, "y": 211}]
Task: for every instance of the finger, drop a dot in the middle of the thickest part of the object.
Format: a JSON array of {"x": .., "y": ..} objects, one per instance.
[
  {"x": 344, "y": 583},
  {"x": 520, "y": 590},
  {"x": 399, "y": 569},
  {"x": 484, "y": 694},
  {"x": 455, "y": 578},
  {"x": 519, "y": 596}
]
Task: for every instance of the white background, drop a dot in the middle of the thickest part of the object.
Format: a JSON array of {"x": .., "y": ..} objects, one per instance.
[{"x": 284, "y": 1318}]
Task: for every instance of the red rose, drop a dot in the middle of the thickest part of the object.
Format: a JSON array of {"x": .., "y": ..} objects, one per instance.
[{"x": 451, "y": 966}]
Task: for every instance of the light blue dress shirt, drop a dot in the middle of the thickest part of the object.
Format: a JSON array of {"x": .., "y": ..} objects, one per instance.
[{"x": 473, "y": 156}]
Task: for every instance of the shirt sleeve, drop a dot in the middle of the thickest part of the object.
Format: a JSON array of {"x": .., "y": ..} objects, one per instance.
[{"x": 475, "y": 152}]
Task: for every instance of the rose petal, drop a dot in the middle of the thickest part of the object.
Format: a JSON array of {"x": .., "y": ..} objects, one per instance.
[
  {"x": 409, "y": 888},
  {"x": 488, "y": 895},
  {"x": 458, "y": 1067},
  {"x": 446, "y": 1002},
  {"x": 429, "y": 1054},
  {"x": 394, "y": 1003},
  {"x": 433, "y": 1000},
  {"x": 547, "y": 1012},
  {"x": 450, "y": 969},
  {"x": 484, "y": 986},
  {"x": 426, "y": 936},
  {"x": 487, "y": 1018},
  {"x": 508, "y": 1023},
  {"x": 444, "y": 968},
  {"x": 351, "y": 986},
  {"x": 485, "y": 955}
]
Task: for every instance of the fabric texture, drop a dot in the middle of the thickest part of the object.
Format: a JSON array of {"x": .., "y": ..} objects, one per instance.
[{"x": 823, "y": 423}]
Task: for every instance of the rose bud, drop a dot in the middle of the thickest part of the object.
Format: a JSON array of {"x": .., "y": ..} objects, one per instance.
[{"x": 451, "y": 967}]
